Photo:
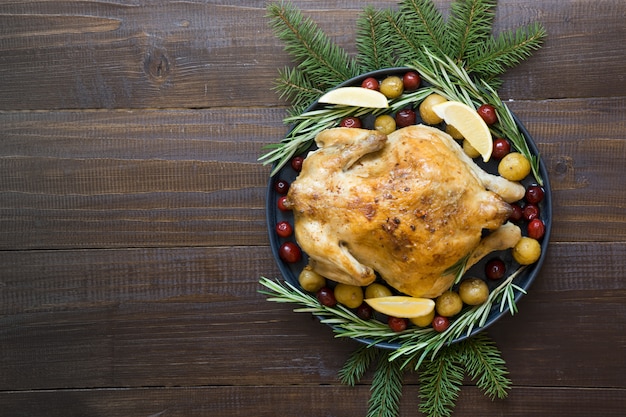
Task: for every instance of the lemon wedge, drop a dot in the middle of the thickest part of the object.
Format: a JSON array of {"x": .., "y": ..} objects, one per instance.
[
  {"x": 402, "y": 306},
  {"x": 469, "y": 124},
  {"x": 355, "y": 96}
]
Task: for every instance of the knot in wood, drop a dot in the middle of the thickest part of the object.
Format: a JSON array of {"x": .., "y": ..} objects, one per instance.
[{"x": 157, "y": 65}]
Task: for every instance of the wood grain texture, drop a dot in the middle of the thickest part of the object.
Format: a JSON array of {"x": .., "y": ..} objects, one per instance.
[
  {"x": 133, "y": 231},
  {"x": 142, "y": 54}
]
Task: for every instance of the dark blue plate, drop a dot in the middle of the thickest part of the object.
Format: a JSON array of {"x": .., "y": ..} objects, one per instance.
[{"x": 291, "y": 271}]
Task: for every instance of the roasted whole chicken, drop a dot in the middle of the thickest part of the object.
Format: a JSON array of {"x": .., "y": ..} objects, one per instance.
[{"x": 410, "y": 206}]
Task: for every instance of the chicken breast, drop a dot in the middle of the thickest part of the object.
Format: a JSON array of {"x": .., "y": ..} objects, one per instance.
[{"x": 409, "y": 206}]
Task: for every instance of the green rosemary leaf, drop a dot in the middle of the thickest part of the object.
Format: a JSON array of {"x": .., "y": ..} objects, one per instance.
[
  {"x": 373, "y": 41},
  {"x": 321, "y": 60},
  {"x": 469, "y": 25},
  {"x": 440, "y": 383},
  {"x": 491, "y": 59},
  {"x": 386, "y": 388},
  {"x": 357, "y": 364},
  {"x": 485, "y": 366}
]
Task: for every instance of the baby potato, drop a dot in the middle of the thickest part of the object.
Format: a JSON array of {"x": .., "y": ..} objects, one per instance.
[
  {"x": 310, "y": 280},
  {"x": 448, "y": 304},
  {"x": 527, "y": 251},
  {"x": 426, "y": 109},
  {"x": 514, "y": 166},
  {"x": 452, "y": 131},
  {"x": 423, "y": 321},
  {"x": 473, "y": 291},
  {"x": 470, "y": 150},
  {"x": 392, "y": 86},
  {"x": 376, "y": 290},
  {"x": 350, "y": 296},
  {"x": 385, "y": 124}
]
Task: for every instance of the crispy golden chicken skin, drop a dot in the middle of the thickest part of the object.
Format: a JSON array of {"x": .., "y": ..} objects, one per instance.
[{"x": 408, "y": 206}]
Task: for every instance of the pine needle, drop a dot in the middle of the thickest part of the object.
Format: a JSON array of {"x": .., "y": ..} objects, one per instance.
[
  {"x": 491, "y": 59},
  {"x": 441, "y": 379},
  {"x": 293, "y": 85},
  {"x": 323, "y": 62},
  {"x": 422, "y": 22},
  {"x": 469, "y": 25},
  {"x": 357, "y": 364},
  {"x": 373, "y": 40},
  {"x": 485, "y": 366},
  {"x": 386, "y": 390}
]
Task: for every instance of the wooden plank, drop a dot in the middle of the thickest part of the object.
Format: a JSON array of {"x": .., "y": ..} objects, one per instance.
[
  {"x": 187, "y": 317},
  {"x": 90, "y": 54},
  {"x": 71, "y": 171},
  {"x": 302, "y": 401}
]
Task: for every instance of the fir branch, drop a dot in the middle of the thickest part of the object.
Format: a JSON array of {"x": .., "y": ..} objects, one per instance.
[
  {"x": 373, "y": 40},
  {"x": 293, "y": 85},
  {"x": 491, "y": 59},
  {"x": 321, "y": 60},
  {"x": 469, "y": 25},
  {"x": 441, "y": 379},
  {"x": 421, "y": 20},
  {"x": 485, "y": 366},
  {"x": 386, "y": 388},
  {"x": 357, "y": 364}
]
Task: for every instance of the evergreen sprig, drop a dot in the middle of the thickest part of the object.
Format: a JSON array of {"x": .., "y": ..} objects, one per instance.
[
  {"x": 441, "y": 379},
  {"x": 373, "y": 40},
  {"x": 320, "y": 62},
  {"x": 485, "y": 366},
  {"x": 469, "y": 26},
  {"x": 462, "y": 60},
  {"x": 386, "y": 388},
  {"x": 357, "y": 364}
]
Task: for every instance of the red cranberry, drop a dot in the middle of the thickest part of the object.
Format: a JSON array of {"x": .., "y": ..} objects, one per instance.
[
  {"x": 516, "y": 214},
  {"x": 290, "y": 252},
  {"x": 365, "y": 312},
  {"x": 281, "y": 186},
  {"x": 501, "y": 147},
  {"x": 411, "y": 80},
  {"x": 326, "y": 297},
  {"x": 350, "y": 122},
  {"x": 281, "y": 203},
  {"x": 371, "y": 83},
  {"x": 405, "y": 117},
  {"x": 284, "y": 229},
  {"x": 495, "y": 269},
  {"x": 397, "y": 324},
  {"x": 440, "y": 323},
  {"x": 488, "y": 113},
  {"x": 530, "y": 212},
  {"x": 536, "y": 229},
  {"x": 534, "y": 194},
  {"x": 296, "y": 163}
]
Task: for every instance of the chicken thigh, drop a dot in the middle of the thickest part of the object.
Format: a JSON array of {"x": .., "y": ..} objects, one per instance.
[{"x": 409, "y": 206}]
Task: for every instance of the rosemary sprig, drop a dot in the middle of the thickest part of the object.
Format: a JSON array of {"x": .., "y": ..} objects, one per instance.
[
  {"x": 453, "y": 82},
  {"x": 308, "y": 125},
  {"x": 415, "y": 344}
]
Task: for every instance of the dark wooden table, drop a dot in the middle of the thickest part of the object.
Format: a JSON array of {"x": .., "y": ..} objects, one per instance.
[{"x": 132, "y": 220}]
